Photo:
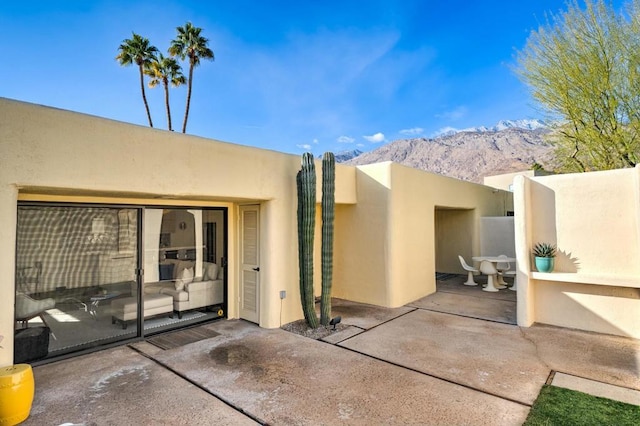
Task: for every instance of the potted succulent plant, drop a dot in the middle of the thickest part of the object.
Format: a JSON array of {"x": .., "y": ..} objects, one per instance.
[{"x": 545, "y": 254}]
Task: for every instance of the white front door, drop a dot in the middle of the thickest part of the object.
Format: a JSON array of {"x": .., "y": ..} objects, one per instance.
[{"x": 250, "y": 272}]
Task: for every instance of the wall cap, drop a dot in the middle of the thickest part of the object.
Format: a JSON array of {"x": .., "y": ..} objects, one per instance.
[{"x": 608, "y": 280}]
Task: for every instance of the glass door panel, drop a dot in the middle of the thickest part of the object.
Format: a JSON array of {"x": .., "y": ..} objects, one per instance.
[
  {"x": 183, "y": 252},
  {"x": 76, "y": 278}
]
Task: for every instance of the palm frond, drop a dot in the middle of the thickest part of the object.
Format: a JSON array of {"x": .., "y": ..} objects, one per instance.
[
  {"x": 189, "y": 43},
  {"x": 136, "y": 50},
  {"x": 165, "y": 69}
]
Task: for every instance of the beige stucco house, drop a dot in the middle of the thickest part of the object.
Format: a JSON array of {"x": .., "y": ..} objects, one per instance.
[{"x": 93, "y": 211}]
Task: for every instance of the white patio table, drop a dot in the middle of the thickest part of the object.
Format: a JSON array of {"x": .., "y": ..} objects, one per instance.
[{"x": 495, "y": 260}]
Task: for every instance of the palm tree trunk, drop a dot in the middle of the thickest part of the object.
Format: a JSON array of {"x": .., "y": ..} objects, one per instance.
[
  {"x": 144, "y": 97},
  {"x": 186, "y": 110},
  {"x": 166, "y": 102}
]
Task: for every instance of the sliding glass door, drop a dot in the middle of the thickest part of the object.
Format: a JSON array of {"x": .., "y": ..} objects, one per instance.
[
  {"x": 185, "y": 260},
  {"x": 72, "y": 263},
  {"x": 79, "y": 280}
]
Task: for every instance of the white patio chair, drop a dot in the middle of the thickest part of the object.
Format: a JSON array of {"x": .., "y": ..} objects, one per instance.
[
  {"x": 28, "y": 308},
  {"x": 471, "y": 270},
  {"x": 502, "y": 267},
  {"x": 514, "y": 287},
  {"x": 491, "y": 272}
]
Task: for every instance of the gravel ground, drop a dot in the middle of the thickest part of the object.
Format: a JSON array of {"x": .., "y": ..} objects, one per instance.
[{"x": 300, "y": 327}]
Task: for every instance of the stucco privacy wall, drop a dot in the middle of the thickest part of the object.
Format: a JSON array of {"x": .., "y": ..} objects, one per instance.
[
  {"x": 594, "y": 218},
  {"x": 505, "y": 181},
  {"x": 396, "y": 210},
  {"x": 361, "y": 253},
  {"x": 497, "y": 236},
  {"x": 415, "y": 195},
  {"x": 78, "y": 157}
]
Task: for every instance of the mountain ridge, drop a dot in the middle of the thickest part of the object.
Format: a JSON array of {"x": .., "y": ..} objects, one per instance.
[
  {"x": 526, "y": 123},
  {"x": 468, "y": 155}
]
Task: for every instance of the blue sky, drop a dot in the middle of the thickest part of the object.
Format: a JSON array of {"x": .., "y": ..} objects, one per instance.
[{"x": 290, "y": 76}]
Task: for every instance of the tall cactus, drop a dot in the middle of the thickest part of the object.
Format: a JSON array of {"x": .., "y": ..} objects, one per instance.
[
  {"x": 306, "y": 185},
  {"x": 328, "y": 216}
]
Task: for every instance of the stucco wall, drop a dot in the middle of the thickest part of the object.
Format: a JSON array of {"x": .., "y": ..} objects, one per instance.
[
  {"x": 594, "y": 218},
  {"x": 599, "y": 308},
  {"x": 505, "y": 181},
  {"x": 497, "y": 236},
  {"x": 415, "y": 195},
  {"x": 385, "y": 213},
  {"x": 454, "y": 236},
  {"x": 51, "y": 154},
  {"x": 361, "y": 248},
  {"x": 386, "y": 253}
]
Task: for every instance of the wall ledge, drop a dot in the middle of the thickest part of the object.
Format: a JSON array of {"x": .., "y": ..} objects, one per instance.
[{"x": 609, "y": 280}]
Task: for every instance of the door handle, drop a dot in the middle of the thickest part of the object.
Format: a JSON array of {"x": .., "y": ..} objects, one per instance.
[{"x": 257, "y": 269}]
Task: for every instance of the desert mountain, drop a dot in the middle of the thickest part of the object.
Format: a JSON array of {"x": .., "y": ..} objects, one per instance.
[
  {"x": 344, "y": 156},
  {"x": 527, "y": 124},
  {"x": 469, "y": 154}
]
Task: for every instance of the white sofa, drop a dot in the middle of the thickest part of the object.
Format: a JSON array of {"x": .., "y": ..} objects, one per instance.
[{"x": 190, "y": 292}]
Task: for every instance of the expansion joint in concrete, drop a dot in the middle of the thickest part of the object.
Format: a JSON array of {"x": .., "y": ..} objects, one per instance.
[
  {"x": 199, "y": 386},
  {"x": 434, "y": 376}
]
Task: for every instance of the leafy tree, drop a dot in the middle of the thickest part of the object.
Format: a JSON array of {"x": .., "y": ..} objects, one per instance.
[
  {"x": 164, "y": 71},
  {"x": 583, "y": 67},
  {"x": 190, "y": 44},
  {"x": 537, "y": 167},
  {"x": 137, "y": 50}
]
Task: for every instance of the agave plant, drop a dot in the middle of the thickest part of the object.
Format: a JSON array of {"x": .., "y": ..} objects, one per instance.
[{"x": 544, "y": 250}]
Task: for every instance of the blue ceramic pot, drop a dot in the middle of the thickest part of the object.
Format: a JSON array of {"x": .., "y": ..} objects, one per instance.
[{"x": 545, "y": 264}]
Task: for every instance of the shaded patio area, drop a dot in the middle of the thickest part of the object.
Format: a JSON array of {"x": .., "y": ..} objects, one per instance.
[{"x": 453, "y": 297}]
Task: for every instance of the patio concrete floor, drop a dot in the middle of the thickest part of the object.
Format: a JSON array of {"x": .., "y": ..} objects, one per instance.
[{"x": 422, "y": 363}]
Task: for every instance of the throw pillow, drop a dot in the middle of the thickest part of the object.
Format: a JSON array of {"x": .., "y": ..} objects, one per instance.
[
  {"x": 212, "y": 271},
  {"x": 179, "y": 284},
  {"x": 205, "y": 268},
  {"x": 183, "y": 279}
]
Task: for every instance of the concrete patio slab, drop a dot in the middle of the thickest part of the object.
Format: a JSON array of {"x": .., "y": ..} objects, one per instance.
[
  {"x": 483, "y": 355},
  {"x": 454, "y": 285},
  {"x": 603, "y": 390},
  {"x": 600, "y": 357},
  {"x": 283, "y": 378},
  {"x": 469, "y": 306},
  {"x": 341, "y": 335},
  {"x": 362, "y": 315},
  {"x": 409, "y": 365},
  {"x": 121, "y": 387}
]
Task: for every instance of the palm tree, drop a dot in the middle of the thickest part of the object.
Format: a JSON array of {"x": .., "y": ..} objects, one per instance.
[
  {"x": 190, "y": 44},
  {"x": 137, "y": 50},
  {"x": 165, "y": 70}
]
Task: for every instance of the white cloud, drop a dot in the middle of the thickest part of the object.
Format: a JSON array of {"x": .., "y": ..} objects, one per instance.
[
  {"x": 305, "y": 146},
  {"x": 377, "y": 138},
  {"x": 360, "y": 145},
  {"x": 346, "y": 139},
  {"x": 454, "y": 114},
  {"x": 316, "y": 142},
  {"x": 412, "y": 132}
]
